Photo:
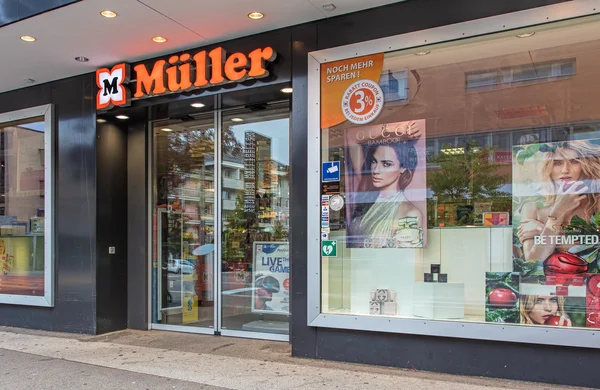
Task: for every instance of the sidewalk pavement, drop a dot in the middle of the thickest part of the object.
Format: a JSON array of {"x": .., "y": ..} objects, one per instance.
[{"x": 167, "y": 360}]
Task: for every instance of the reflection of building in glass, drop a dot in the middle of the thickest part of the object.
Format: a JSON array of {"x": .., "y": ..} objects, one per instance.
[
  {"x": 257, "y": 172},
  {"x": 266, "y": 183},
  {"x": 394, "y": 85}
]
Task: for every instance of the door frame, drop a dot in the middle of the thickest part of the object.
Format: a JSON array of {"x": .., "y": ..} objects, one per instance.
[{"x": 217, "y": 328}]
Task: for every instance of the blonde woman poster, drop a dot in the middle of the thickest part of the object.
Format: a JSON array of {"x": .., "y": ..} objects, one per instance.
[
  {"x": 556, "y": 208},
  {"x": 386, "y": 186}
]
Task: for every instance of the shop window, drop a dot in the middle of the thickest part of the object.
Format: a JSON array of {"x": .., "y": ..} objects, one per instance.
[
  {"x": 459, "y": 205},
  {"x": 26, "y": 257}
]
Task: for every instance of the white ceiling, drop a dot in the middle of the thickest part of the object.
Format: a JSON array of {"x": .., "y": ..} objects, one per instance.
[{"x": 80, "y": 30}]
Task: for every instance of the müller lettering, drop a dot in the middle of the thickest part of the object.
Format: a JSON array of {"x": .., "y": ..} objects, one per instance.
[
  {"x": 180, "y": 73},
  {"x": 203, "y": 70}
]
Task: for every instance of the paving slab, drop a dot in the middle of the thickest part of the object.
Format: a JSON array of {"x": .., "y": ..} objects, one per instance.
[{"x": 232, "y": 363}]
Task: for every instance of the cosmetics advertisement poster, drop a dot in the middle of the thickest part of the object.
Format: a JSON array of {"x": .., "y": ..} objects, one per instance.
[
  {"x": 386, "y": 187},
  {"x": 556, "y": 203}
]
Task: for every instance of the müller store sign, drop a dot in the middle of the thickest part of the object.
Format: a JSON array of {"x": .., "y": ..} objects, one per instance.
[{"x": 179, "y": 73}]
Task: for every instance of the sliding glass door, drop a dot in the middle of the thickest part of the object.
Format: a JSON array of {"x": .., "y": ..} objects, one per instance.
[{"x": 220, "y": 209}]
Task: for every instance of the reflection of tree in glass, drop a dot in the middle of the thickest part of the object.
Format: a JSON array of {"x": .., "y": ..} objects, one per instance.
[
  {"x": 464, "y": 177},
  {"x": 186, "y": 158},
  {"x": 188, "y": 152}
]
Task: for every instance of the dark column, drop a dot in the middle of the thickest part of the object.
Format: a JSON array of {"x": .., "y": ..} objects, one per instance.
[
  {"x": 111, "y": 277},
  {"x": 304, "y": 40},
  {"x": 137, "y": 228}
]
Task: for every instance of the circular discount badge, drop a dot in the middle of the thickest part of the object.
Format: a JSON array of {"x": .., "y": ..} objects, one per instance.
[{"x": 362, "y": 102}]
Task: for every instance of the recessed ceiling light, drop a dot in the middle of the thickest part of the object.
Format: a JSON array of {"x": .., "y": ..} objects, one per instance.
[
  {"x": 197, "y": 105},
  {"x": 422, "y": 53},
  {"x": 525, "y": 35},
  {"x": 328, "y": 7},
  {"x": 100, "y": 120},
  {"x": 28, "y": 81},
  {"x": 159, "y": 39},
  {"x": 256, "y": 15},
  {"x": 167, "y": 129},
  {"x": 82, "y": 59},
  {"x": 287, "y": 90},
  {"x": 27, "y": 38},
  {"x": 108, "y": 14},
  {"x": 122, "y": 117},
  {"x": 237, "y": 120}
]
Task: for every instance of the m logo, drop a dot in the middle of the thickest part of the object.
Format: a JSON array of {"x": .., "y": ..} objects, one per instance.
[{"x": 111, "y": 89}]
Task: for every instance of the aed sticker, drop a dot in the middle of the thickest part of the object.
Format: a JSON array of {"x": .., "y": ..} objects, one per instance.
[
  {"x": 362, "y": 101},
  {"x": 336, "y": 202}
]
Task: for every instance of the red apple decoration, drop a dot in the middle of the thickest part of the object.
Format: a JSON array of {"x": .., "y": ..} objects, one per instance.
[
  {"x": 564, "y": 263},
  {"x": 592, "y": 320},
  {"x": 554, "y": 321},
  {"x": 593, "y": 285},
  {"x": 502, "y": 297}
]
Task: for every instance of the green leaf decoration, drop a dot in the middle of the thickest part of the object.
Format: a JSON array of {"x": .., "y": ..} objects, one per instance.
[
  {"x": 581, "y": 250},
  {"x": 581, "y": 224},
  {"x": 522, "y": 155},
  {"x": 590, "y": 257},
  {"x": 595, "y": 220}
]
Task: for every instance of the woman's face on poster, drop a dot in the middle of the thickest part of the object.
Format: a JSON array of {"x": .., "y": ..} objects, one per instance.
[
  {"x": 385, "y": 167},
  {"x": 566, "y": 168},
  {"x": 543, "y": 308}
]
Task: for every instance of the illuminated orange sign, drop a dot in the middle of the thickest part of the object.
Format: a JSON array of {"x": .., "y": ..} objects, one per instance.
[{"x": 180, "y": 73}]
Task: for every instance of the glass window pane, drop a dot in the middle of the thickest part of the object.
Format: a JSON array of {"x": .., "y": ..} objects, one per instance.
[
  {"x": 471, "y": 204},
  {"x": 255, "y": 265},
  {"x": 22, "y": 197},
  {"x": 183, "y": 238}
]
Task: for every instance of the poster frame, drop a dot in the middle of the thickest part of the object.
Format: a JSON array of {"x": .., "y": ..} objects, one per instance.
[
  {"x": 509, "y": 24},
  {"x": 47, "y": 112}
]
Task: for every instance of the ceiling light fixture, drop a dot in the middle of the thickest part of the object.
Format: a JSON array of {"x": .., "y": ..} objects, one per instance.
[
  {"x": 122, "y": 117},
  {"x": 167, "y": 130},
  {"x": 526, "y": 35},
  {"x": 287, "y": 90},
  {"x": 81, "y": 59},
  {"x": 197, "y": 105},
  {"x": 27, "y": 38},
  {"x": 100, "y": 120},
  {"x": 256, "y": 15},
  {"x": 108, "y": 14},
  {"x": 422, "y": 53},
  {"x": 237, "y": 120},
  {"x": 159, "y": 39},
  {"x": 329, "y": 7}
]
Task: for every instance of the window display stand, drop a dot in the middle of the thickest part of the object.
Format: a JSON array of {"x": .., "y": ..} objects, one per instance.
[
  {"x": 439, "y": 300},
  {"x": 384, "y": 268}
]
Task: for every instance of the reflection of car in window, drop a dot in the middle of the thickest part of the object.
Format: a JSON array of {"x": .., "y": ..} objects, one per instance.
[{"x": 178, "y": 266}]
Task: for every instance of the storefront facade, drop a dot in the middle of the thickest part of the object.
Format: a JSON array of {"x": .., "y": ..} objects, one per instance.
[{"x": 450, "y": 223}]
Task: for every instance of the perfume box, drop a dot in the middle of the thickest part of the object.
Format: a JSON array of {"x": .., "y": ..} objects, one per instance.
[
  {"x": 435, "y": 268},
  {"x": 443, "y": 278},
  {"x": 389, "y": 308},
  {"x": 428, "y": 277},
  {"x": 374, "y": 307},
  {"x": 383, "y": 295}
]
